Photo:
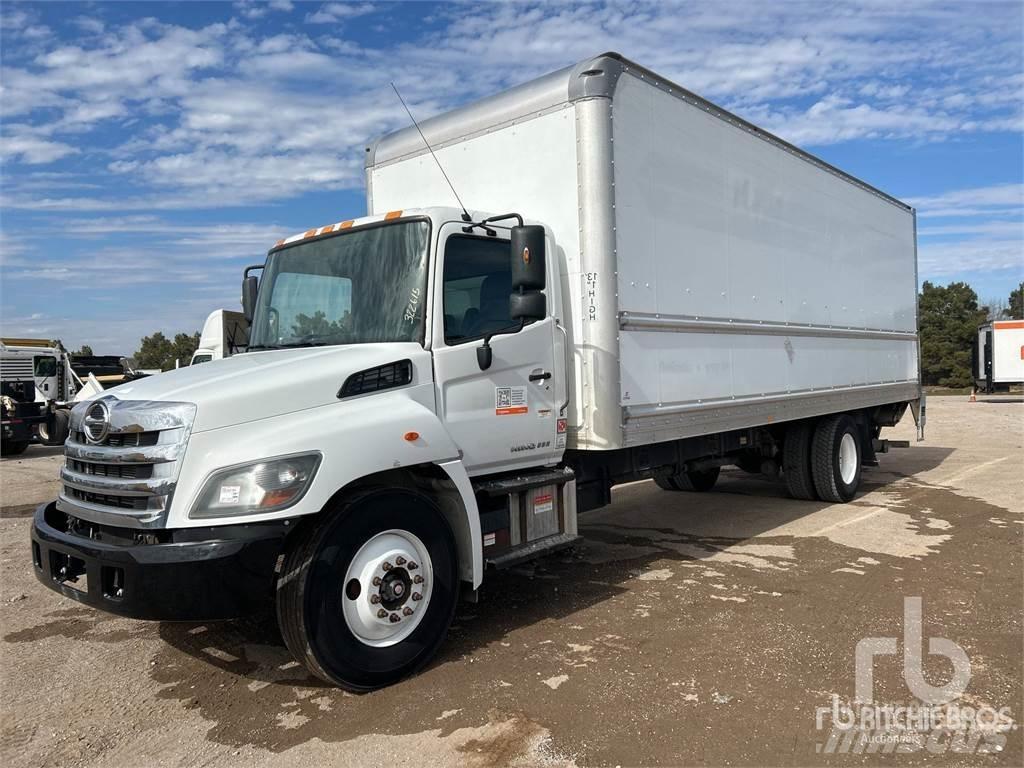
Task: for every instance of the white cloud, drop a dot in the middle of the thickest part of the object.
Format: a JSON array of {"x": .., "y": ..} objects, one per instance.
[
  {"x": 999, "y": 198},
  {"x": 335, "y": 12},
  {"x": 980, "y": 229},
  {"x": 30, "y": 149},
  {"x": 937, "y": 260}
]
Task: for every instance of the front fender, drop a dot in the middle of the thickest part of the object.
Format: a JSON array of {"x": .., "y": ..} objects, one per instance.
[{"x": 356, "y": 438}]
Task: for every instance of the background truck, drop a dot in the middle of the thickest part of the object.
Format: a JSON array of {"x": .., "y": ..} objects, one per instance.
[
  {"x": 225, "y": 333},
  {"x": 999, "y": 355},
  {"x": 45, "y": 365},
  {"x": 643, "y": 286}
]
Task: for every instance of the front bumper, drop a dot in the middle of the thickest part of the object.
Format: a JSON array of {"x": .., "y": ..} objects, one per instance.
[{"x": 196, "y": 574}]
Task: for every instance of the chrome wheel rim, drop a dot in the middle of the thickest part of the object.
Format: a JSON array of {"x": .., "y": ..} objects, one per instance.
[
  {"x": 387, "y": 588},
  {"x": 848, "y": 458}
]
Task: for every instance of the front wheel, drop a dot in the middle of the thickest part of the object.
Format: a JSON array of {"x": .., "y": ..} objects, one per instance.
[
  {"x": 366, "y": 598},
  {"x": 59, "y": 431},
  {"x": 13, "y": 447}
]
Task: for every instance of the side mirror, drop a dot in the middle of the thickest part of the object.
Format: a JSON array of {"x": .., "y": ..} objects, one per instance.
[
  {"x": 528, "y": 258},
  {"x": 250, "y": 285},
  {"x": 529, "y": 274}
]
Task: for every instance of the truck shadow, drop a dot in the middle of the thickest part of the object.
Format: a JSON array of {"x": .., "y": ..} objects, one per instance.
[{"x": 241, "y": 677}]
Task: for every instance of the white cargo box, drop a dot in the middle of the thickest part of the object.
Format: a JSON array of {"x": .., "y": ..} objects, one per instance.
[
  {"x": 1001, "y": 351},
  {"x": 719, "y": 277}
]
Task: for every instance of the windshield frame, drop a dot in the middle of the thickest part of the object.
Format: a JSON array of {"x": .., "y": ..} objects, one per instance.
[{"x": 427, "y": 270}]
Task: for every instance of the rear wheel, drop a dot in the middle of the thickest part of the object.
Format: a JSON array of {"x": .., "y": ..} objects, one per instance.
[
  {"x": 367, "y": 597},
  {"x": 796, "y": 460},
  {"x": 697, "y": 480},
  {"x": 836, "y": 458}
]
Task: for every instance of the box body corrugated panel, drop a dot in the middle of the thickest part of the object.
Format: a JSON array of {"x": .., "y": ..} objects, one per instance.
[
  {"x": 745, "y": 272},
  {"x": 716, "y": 277}
]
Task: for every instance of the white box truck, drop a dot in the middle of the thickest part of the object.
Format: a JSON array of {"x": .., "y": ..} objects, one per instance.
[
  {"x": 224, "y": 333},
  {"x": 644, "y": 286},
  {"x": 999, "y": 355}
]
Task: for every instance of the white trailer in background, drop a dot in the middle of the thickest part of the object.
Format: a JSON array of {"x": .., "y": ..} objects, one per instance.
[
  {"x": 224, "y": 333},
  {"x": 999, "y": 355},
  {"x": 430, "y": 391}
]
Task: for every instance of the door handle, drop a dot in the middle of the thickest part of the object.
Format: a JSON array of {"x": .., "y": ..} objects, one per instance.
[{"x": 540, "y": 376}]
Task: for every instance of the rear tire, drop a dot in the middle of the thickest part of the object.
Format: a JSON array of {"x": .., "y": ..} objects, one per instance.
[
  {"x": 796, "y": 460},
  {"x": 60, "y": 429},
  {"x": 326, "y": 588},
  {"x": 696, "y": 481},
  {"x": 836, "y": 458},
  {"x": 665, "y": 482}
]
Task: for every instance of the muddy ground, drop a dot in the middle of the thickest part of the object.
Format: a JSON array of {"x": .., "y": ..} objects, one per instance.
[{"x": 689, "y": 629}]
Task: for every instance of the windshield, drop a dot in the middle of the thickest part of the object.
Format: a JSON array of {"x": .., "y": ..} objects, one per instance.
[{"x": 364, "y": 286}]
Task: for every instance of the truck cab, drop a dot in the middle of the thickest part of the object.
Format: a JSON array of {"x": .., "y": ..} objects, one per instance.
[{"x": 382, "y": 350}]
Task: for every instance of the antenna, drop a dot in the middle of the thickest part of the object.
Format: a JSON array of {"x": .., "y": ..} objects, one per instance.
[{"x": 465, "y": 213}]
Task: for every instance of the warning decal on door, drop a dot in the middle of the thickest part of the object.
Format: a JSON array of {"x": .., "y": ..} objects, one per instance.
[{"x": 510, "y": 401}]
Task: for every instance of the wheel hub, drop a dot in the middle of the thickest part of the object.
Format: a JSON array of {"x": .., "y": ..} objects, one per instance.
[
  {"x": 387, "y": 588},
  {"x": 395, "y": 588}
]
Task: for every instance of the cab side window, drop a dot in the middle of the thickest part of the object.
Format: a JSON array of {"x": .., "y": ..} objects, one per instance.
[{"x": 477, "y": 285}]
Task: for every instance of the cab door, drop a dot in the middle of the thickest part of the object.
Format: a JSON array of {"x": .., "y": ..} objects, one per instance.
[
  {"x": 44, "y": 371},
  {"x": 504, "y": 417}
]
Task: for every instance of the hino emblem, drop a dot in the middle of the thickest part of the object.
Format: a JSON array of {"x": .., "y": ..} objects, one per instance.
[{"x": 96, "y": 423}]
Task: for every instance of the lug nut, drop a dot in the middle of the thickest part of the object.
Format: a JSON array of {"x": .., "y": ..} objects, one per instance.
[
  {"x": 417, "y": 579},
  {"x": 374, "y": 599},
  {"x": 387, "y": 566},
  {"x": 382, "y": 614},
  {"x": 400, "y": 560},
  {"x": 417, "y": 596},
  {"x": 395, "y": 618},
  {"x": 412, "y": 566},
  {"x": 407, "y": 611},
  {"x": 376, "y": 581}
]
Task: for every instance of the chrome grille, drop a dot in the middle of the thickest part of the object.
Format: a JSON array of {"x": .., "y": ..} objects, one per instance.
[
  {"x": 124, "y": 471},
  {"x": 108, "y": 499},
  {"x": 121, "y": 468},
  {"x": 128, "y": 440}
]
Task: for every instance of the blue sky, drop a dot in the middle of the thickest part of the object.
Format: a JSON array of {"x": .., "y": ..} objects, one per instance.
[{"x": 151, "y": 150}]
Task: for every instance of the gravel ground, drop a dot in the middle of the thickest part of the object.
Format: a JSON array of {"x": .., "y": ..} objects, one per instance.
[{"x": 688, "y": 629}]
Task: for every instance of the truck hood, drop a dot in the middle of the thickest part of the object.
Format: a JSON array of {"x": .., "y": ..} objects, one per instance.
[{"x": 259, "y": 385}]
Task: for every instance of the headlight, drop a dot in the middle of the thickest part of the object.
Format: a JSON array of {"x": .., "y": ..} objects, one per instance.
[{"x": 262, "y": 486}]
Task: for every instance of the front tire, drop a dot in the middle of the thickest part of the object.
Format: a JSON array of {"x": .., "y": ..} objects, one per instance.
[
  {"x": 59, "y": 433},
  {"x": 836, "y": 458},
  {"x": 13, "y": 447},
  {"x": 366, "y": 597}
]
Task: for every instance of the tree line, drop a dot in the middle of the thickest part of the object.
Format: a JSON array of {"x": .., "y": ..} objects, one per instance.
[
  {"x": 949, "y": 316},
  {"x": 156, "y": 351}
]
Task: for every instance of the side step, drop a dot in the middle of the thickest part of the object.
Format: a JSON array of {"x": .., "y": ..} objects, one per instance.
[
  {"x": 526, "y": 514},
  {"x": 516, "y": 483},
  {"x": 534, "y": 549}
]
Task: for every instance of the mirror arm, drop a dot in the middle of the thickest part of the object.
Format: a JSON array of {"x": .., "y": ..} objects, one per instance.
[{"x": 484, "y": 354}]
